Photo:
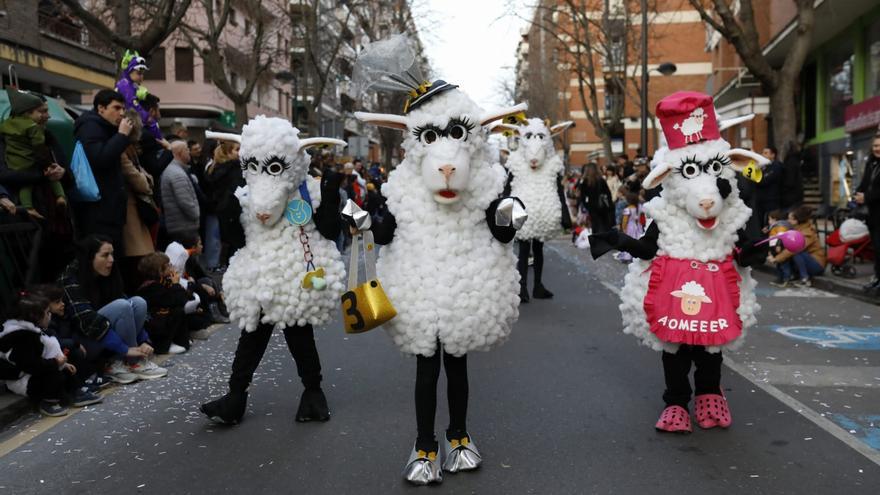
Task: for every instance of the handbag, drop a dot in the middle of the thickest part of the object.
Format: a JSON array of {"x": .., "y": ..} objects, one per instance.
[
  {"x": 146, "y": 210},
  {"x": 86, "y": 190},
  {"x": 365, "y": 306}
]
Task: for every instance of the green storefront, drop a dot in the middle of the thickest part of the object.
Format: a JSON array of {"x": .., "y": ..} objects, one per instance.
[{"x": 842, "y": 72}]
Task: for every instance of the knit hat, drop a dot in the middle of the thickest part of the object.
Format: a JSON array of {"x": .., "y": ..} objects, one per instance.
[{"x": 21, "y": 102}]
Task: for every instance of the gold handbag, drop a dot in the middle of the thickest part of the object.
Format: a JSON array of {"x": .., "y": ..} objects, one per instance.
[{"x": 364, "y": 306}]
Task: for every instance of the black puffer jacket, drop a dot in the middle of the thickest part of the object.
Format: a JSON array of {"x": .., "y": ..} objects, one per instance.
[
  {"x": 870, "y": 184},
  {"x": 103, "y": 145}
]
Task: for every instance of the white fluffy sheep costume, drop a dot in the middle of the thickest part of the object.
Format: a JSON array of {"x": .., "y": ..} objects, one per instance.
[
  {"x": 446, "y": 267},
  {"x": 690, "y": 293},
  {"x": 535, "y": 178},
  {"x": 289, "y": 274}
]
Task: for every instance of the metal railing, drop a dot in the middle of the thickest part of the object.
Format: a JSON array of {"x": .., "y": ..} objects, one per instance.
[{"x": 19, "y": 245}]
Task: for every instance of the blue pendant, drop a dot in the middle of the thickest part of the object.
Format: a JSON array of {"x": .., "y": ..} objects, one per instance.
[{"x": 298, "y": 212}]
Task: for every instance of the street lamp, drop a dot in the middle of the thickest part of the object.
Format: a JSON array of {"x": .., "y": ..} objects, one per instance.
[{"x": 666, "y": 68}]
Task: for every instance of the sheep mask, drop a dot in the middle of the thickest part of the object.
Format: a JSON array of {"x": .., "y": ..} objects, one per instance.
[
  {"x": 698, "y": 169},
  {"x": 274, "y": 163},
  {"x": 445, "y": 137},
  {"x": 535, "y": 139}
]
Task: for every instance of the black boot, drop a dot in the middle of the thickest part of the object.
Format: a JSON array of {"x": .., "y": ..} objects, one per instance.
[
  {"x": 540, "y": 292},
  {"x": 312, "y": 406},
  {"x": 227, "y": 410},
  {"x": 216, "y": 314}
]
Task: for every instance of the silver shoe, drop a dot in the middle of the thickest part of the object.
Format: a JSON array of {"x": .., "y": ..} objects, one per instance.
[
  {"x": 421, "y": 469},
  {"x": 460, "y": 455}
]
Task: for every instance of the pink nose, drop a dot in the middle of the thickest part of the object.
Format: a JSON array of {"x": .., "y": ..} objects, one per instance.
[
  {"x": 263, "y": 217},
  {"x": 707, "y": 204},
  {"x": 534, "y": 161},
  {"x": 447, "y": 171}
]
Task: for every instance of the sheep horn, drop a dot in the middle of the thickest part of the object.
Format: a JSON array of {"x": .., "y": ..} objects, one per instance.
[{"x": 223, "y": 136}]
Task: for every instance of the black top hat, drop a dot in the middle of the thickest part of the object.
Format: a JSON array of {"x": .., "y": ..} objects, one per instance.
[{"x": 425, "y": 92}]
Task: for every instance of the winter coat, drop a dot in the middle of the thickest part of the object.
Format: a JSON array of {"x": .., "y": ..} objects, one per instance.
[
  {"x": 129, "y": 91},
  {"x": 26, "y": 350},
  {"x": 770, "y": 187},
  {"x": 136, "y": 236},
  {"x": 597, "y": 200},
  {"x": 221, "y": 181},
  {"x": 14, "y": 179},
  {"x": 870, "y": 183},
  {"x": 180, "y": 203},
  {"x": 104, "y": 146},
  {"x": 792, "y": 187},
  {"x": 812, "y": 245}
]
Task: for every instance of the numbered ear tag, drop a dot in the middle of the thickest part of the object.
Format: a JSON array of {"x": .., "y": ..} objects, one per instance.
[
  {"x": 753, "y": 172},
  {"x": 298, "y": 212},
  {"x": 314, "y": 280}
]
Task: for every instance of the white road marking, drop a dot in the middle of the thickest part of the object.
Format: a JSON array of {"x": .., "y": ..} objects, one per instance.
[{"x": 799, "y": 407}]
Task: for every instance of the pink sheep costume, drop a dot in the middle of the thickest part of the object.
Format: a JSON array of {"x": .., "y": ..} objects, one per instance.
[{"x": 689, "y": 293}]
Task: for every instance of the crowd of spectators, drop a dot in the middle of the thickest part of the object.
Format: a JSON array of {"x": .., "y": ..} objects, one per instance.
[{"x": 115, "y": 281}]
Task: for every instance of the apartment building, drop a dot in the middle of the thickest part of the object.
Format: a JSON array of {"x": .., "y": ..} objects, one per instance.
[
  {"x": 676, "y": 35},
  {"x": 51, "y": 52}
]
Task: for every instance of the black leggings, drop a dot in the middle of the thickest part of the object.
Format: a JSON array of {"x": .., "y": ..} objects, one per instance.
[
  {"x": 252, "y": 346},
  {"x": 522, "y": 264},
  {"x": 677, "y": 367},
  {"x": 53, "y": 386},
  {"x": 427, "y": 374}
]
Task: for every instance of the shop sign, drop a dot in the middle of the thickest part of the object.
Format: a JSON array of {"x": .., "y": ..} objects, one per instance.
[{"x": 862, "y": 115}]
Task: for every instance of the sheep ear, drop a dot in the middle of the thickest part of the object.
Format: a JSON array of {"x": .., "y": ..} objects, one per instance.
[
  {"x": 506, "y": 129},
  {"x": 320, "y": 142},
  {"x": 656, "y": 176},
  {"x": 677, "y": 293},
  {"x": 740, "y": 158},
  {"x": 561, "y": 127},
  {"x": 726, "y": 123},
  {"x": 223, "y": 136},
  {"x": 494, "y": 115},
  {"x": 389, "y": 120}
]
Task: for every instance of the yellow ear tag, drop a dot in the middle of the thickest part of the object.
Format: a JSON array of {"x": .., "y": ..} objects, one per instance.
[
  {"x": 753, "y": 172},
  {"x": 516, "y": 118}
]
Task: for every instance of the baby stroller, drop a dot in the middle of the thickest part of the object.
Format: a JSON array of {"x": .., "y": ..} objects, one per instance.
[{"x": 849, "y": 242}]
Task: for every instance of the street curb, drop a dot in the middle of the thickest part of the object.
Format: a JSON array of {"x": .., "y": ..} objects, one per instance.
[
  {"x": 827, "y": 283},
  {"x": 13, "y": 407}
]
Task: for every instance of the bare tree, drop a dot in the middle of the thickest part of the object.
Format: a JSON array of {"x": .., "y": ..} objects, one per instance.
[
  {"x": 599, "y": 51},
  {"x": 738, "y": 28},
  {"x": 397, "y": 18},
  {"x": 154, "y": 21},
  {"x": 235, "y": 62}
]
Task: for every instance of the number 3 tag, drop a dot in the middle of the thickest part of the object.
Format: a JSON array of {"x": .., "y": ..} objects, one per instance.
[{"x": 753, "y": 172}]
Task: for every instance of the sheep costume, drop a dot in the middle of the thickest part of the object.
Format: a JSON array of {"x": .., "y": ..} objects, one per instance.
[
  {"x": 690, "y": 293},
  {"x": 534, "y": 175},
  {"x": 289, "y": 273},
  {"x": 446, "y": 268}
]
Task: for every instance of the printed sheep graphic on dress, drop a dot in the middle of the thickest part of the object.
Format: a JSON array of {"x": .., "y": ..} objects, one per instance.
[
  {"x": 694, "y": 244},
  {"x": 692, "y": 296},
  {"x": 289, "y": 273},
  {"x": 692, "y": 127}
]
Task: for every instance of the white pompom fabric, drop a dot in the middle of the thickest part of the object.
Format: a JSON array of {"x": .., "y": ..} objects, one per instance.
[
  {"x": 264, "y": 276},
  {"x": 444, "y": 272},
  {"x": 680, "y": 237}
]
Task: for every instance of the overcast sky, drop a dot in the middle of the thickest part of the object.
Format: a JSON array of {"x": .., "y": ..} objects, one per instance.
[{"x": 472, "y": 43}]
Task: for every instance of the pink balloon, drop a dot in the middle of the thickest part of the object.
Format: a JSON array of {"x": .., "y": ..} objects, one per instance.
[{"x": 792, "y": 240}]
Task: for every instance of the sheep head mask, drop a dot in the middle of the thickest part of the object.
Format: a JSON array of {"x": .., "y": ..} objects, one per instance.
[
  {"x": 443, "y": 137},
  {"x": 535, "y": 139},
  {"x": 697, "y": 168},
  {"x": 274, "y": 164}
]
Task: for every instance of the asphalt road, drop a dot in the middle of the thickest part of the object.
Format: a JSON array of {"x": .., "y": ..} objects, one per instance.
[{"x": 567, "y": 405}]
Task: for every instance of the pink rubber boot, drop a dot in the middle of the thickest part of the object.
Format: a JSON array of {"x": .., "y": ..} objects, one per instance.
[
  {"x": 674, "y": 419},
  {"x": 711, "y": 410}
]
